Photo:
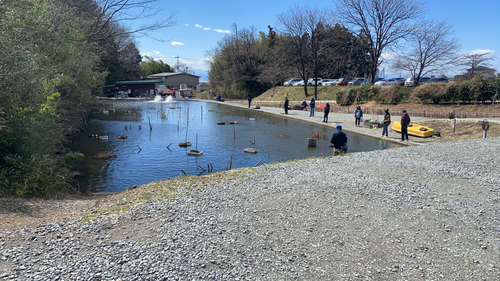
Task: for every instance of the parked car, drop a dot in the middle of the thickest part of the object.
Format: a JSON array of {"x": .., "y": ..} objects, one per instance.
[
  {"x": 291, "y": 81},
  {"x": 439, "y": 80},
  {"x": 328, "y": 82},
  {"x": 390, "y": 81},
  {"x": 298, "y": 83},
  {"x": 342, "y": 81},
  {"x": 357, "y": 81},
  {"x": 411, "y": 83},
  {"x": 401, "y": 81},
  {"x": 310, "y": 81}
]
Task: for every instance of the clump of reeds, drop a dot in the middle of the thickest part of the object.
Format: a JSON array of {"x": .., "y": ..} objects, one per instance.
[
  {"x": 105, "y": 156},
  {"x": 317, "y": 134}
]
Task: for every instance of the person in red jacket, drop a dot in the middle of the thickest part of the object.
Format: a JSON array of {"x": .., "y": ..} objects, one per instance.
[{"x": 405, "y": 121}]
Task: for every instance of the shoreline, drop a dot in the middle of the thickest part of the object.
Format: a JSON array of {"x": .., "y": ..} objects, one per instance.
[{"x": 412, "y": 213}]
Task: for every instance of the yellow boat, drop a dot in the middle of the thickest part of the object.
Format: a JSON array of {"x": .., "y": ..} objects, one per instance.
[{"x": 414, "y": 130}]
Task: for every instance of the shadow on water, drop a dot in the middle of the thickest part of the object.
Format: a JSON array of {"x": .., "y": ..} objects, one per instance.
[{"x": 148, "y": 155}]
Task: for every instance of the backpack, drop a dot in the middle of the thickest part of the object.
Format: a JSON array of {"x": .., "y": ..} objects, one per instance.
[{"x": 358, "y": 114}]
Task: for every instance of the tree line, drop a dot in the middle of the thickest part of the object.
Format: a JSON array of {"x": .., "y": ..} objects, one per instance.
[
  {"x": 353, "y": 40},
  {"x": 55, "y": 56}
]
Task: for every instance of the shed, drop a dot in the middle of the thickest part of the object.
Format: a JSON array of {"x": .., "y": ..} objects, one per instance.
[
  {"x": 174, "y": 80},
  {"x": 140, "y": 88}
]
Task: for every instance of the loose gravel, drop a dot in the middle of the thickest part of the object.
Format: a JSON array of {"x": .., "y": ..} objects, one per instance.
[{"x": 415, "y": 213}]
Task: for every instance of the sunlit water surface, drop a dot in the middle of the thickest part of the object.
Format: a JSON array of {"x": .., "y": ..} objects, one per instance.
[{"x": 148, "y": 155}]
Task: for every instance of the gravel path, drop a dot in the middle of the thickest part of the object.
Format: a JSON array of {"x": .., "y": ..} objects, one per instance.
[{"x": 415, "y": 213}]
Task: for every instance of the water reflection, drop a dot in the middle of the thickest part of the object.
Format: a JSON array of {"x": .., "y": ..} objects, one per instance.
[{"x": 144, "y": 157}]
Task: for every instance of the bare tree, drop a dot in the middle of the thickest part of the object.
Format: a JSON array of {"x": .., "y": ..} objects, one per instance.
[
  {"x": 103, "y": 19},
  {"x": 302, "y": 27},
  {"x": 382, "y": 23},
  {"x": 430, "y": 48},
  {"x": 473, "y": 61}
]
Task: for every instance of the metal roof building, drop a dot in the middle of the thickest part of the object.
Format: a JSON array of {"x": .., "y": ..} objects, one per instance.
[{"x": 175, "y": 79}]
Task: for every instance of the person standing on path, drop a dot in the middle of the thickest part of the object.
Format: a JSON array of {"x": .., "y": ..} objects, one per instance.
[
  {"x": 327, "y": 111},
  {"x": 286, "y": 105},
  {"x": 405, "y": 122},
  {"x": 387, "y": 121},
  {"x": 358, "y": 114},
  {"x": 339, "y": 139},
  {"x": 312, "y": 104},
  {"x": 249, "y": 98}
]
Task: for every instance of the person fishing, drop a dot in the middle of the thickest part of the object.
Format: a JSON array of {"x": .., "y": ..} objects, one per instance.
[
  {"x": 286, "y": 105},
  {"x": 339, "y": 140},
  {"x": 327, "y": 111}
]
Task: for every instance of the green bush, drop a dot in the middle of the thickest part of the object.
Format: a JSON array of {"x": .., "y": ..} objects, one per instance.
[
  {"x": 432, "y": 92},
  {"x": 343, "y": 97},
  {"x": 391, "y": 94}
]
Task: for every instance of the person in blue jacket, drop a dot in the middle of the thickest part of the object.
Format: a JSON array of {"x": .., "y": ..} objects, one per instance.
[
  {"x": 358, "y": 114},
  {"x": 339, "y": 140}
]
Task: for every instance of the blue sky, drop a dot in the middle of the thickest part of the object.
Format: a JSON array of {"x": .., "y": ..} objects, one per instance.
[{"x": 201, "y": 24}]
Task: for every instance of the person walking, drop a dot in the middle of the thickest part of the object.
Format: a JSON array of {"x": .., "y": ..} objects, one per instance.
[
  {"x": 339, "y": 139},
  {"x": 312, "y": 104},
  {"x": 249, "y": 98},
  {"x": 405, "y": 122},
  {"x": 358, "y": 114},
  {"x": 286, "y": 105},
  {"x": 327, "y": 111},
  {"x": 386, "y": 123}
]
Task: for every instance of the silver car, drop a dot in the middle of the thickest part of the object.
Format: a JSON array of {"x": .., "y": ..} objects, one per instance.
[{"x": 290, "y": 82}]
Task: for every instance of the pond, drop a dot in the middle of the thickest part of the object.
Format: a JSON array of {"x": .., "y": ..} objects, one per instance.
[{"x": 148, "y": 155}]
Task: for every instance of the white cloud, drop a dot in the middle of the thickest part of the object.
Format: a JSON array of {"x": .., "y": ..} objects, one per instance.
[
  {"x": 481, "y": 51},
  {"x": 206, "y": 28},
  {"x": 222, "y": 31},
  {"x": 157, "y": 53},
  {"x": 199, "y": 26},
  {"x": 186, "y": 24},
  {"x": 175, "y": 43},
  {"x": 388, "y": 55}
]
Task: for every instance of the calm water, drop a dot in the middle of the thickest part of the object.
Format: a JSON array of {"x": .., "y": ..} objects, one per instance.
[{"x": 277, "y": 139}]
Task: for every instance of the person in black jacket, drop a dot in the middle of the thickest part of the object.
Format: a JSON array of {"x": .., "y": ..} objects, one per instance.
[
  {"x": 286, "y": 105},
  {"x": 249, "y": 98},
  {"x": 327, "y": 111},
  {"x": 339, "y": 139},
  {"x": 312, "y": 104},
  {"x": 304, "y": 105},
  {"x": 386, "y": 123},
  {"x": 405, "y": 122}
]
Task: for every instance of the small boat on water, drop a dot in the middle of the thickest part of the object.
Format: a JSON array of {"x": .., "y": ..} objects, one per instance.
[
  {"x": 185, "y": 144},
  {"x": 414, "y": 130},
  {"x": 195, "y": 152}
]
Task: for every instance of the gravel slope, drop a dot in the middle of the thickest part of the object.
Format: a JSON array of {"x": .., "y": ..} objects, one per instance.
[{"x": 415, "y": 213}]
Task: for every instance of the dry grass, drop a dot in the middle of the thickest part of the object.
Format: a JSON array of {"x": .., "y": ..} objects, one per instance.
[
  {"x": 463, "y": 130},
  {"x": 22, "y": 212}
]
